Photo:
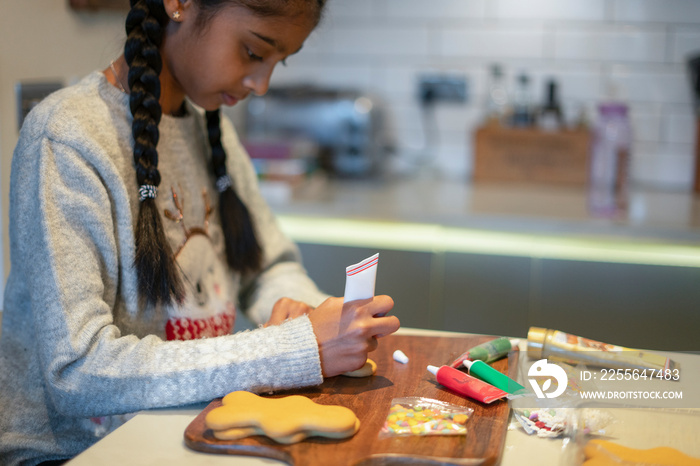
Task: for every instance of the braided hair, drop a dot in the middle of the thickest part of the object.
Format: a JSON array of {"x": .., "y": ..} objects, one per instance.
[
  {"x": 158, "y": 277},
  {"x": 243, "y": 252}
]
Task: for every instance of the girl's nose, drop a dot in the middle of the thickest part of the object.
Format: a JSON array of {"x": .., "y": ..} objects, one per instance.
[{"x": 259, "y": 81}]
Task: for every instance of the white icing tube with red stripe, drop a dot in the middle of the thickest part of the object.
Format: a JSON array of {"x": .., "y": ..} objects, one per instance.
[{"x": 360, "y": 279}]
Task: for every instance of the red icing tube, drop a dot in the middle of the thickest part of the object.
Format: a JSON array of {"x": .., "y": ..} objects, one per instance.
[{"x": 466, "y": 385}]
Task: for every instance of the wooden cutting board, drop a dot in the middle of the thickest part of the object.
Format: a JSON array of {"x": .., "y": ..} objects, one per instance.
[{"x": 370, "y": 399}]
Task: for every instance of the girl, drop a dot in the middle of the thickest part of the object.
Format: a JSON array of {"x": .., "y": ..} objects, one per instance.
[{"x": 137, "y": 229}]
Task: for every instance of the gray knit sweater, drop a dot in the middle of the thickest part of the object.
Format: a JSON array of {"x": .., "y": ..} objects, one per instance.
[{"x": 77, "y": 351}]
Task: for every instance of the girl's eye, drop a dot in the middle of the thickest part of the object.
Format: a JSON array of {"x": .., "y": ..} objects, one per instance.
[{"x": 254, "y": 57}]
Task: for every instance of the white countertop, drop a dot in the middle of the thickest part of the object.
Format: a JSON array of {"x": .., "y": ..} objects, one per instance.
[
  {"x": 531, "y": 209},
  {"x": 156, "y": 437},
  {"x": 450, "y": 216}
]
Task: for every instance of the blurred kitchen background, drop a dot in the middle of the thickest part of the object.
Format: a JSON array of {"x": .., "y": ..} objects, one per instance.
[
  {"x": 457, "y": 137},
  {"x": 633, "y": 50}
]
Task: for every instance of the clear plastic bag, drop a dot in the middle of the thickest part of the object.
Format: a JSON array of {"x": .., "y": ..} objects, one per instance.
[
  {"x": 553, "y": 422},
  {"x": 425, "y": 416},
  {"x": 550, "y": 417},
  {"x": 652, "y": 431}
]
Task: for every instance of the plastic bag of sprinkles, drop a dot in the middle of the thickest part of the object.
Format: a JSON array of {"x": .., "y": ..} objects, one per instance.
[{"x": 424, "y": 416}]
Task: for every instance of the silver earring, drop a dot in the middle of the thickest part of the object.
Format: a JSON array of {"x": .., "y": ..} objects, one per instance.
[{"x": 176, "y": 15}]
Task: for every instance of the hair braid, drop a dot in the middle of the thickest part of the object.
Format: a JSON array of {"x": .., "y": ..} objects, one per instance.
[
  {"x": 158, "y": 277},
  {"x": 243, "y": 252}
]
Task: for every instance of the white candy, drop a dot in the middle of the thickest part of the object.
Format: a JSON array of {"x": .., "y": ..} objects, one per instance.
[{"x": 399, "y": 356}]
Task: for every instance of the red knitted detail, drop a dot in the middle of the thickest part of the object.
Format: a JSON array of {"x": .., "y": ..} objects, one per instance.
[{"x": 184, "y": 328}]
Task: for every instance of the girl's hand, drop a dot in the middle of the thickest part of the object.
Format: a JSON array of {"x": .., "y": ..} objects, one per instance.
[
  {"x": 287, "y": 308},
  {"x": 346, "y": 332}
]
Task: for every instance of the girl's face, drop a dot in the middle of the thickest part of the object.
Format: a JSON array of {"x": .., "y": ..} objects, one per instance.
[{"x": 231, "y": 57}]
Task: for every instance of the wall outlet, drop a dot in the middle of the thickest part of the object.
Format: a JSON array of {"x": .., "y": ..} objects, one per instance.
[
  {"x": 442, "y": 88},
  {"x": 30, "y": 94}
]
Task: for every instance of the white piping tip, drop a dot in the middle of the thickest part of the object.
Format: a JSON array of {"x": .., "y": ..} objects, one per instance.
[{"x": 399, "y": 356}]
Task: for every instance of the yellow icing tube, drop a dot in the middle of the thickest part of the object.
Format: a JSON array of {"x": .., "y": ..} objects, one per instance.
[{"x": 556, "y": 345}]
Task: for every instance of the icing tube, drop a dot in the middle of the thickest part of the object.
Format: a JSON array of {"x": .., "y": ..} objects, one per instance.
[
  {"x": 487, "y": 352},
  {"x": 360, "y": 279},
  {"x": 488, "y": 374},
  {"x": 466, "y": 385},
  {"x": 559, "y": 346}
]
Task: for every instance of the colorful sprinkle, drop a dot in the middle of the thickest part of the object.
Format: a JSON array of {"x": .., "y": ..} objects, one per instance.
[{"x": 420, "y": 420}]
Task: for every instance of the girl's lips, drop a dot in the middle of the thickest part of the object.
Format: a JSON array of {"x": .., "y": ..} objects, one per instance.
[{"x": 228, "y": 99}]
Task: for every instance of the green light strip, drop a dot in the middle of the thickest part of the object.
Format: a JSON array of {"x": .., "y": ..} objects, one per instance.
[{"x": 437, "y": 238}]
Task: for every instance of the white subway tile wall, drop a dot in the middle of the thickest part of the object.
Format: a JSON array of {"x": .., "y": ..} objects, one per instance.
[
  {"x": 654, "y": 11},
  {"x": 685, "y": 42},
  {"x": 567, "y": 10},
  {"x": 633, "y": 49}
]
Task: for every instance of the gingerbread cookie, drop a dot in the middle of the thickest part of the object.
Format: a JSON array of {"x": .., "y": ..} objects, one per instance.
[
  {"x": 370, "y": 368},
  {"x": 286, "y": 420},
  {"x": 600, "y": 452}
]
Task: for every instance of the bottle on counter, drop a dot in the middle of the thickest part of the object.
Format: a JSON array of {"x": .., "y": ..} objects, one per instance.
[
  {"x": 523, "y": 115},
  {"x": 550, "y": 116},
  {"x": 497, "y": 97},
  {"x": 582, "y": 121},
  {"x": 612, "y": 140}
]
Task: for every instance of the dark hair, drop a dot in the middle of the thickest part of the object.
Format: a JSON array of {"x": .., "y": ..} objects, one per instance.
[
  {"x": 158, "y": 277},
  {"x": 262, "y": 8}
]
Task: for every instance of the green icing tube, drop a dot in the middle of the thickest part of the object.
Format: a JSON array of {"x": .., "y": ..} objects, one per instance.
[
  {"x": 483, "y": 371},
  {"x": 488, "y": 352}
]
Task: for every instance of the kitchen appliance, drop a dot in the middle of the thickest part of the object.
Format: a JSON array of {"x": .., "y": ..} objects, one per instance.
[{"x": 348, "y": 126}]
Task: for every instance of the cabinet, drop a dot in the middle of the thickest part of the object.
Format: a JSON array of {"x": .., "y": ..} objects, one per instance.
[
  {"x": 634, "y": 305},
  {"x": 498, "y": 258}
]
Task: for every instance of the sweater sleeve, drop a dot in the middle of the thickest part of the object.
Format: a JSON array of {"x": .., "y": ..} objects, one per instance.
[
  {"x": 64, "y": 215},
  {"x": 282, "y": 274}
]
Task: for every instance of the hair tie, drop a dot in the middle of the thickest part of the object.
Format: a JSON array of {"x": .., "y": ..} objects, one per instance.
[
  {"x": 223, "y": 183},
  {"x": 147, "y": 191}
]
